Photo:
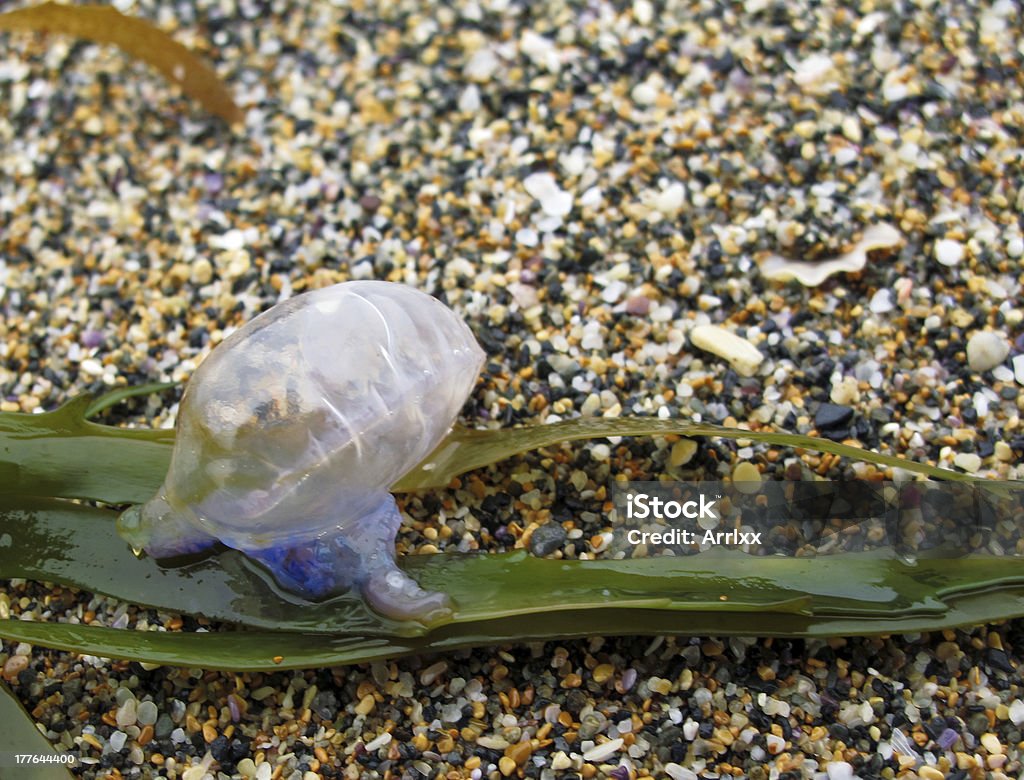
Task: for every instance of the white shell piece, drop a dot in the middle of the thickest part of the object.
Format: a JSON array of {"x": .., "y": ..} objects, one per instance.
[{"x": 811, "y": 274}]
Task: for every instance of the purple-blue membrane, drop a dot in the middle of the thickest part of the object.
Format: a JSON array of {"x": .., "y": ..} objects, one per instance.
[{"x": 362, "y": 557}]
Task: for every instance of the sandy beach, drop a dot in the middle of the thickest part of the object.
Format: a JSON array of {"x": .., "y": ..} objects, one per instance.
[{"x": 798, "y": 216}]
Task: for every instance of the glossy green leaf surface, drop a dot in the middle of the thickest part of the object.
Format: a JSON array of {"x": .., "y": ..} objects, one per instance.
[
  {"x": 505, "y": 597},
  {"x": 464, "y": 449},
  {"x": 497, "y": 598},
  {"x": 58, "y": 453},
  {"x": 253, "y": 650}
]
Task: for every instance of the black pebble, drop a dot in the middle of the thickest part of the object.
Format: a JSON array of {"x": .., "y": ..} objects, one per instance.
[
  {"x": 546, "y": 539},
  {"x": 325, "y": 704},
  {"x": 220, "y": 748},
  {"x": 839, "y": 731},
  {"x": 832, "y": 416},
  {"x": 240, "y": 748},
  {"x": 997, "y": 660}
]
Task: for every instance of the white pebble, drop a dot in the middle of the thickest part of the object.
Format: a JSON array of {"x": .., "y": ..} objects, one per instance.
[
  {"x": 147, "y": 713},
  {"x": 602, "y": 751},
  {"x": 741, "y": 354},
  {"x": 548, "y": 224},
  {"x": 851, "y": 129},
  {"x": 1017, "y": 712},
  {"x": 670, "y": 200},
  {"x": 233, "y": 239},
  {"x": 996, "y": 290},
  {"x": 469, "y": 100},
  {"x": 845, "y": 392},
  {"x": 93, "y": 125},
  {"x": 482, "y": 65},
  {"x": 893, "y": 89},
  {"x": 234, "y": 264},
  {"x": 540, "y": 50},
  {"x": 92, "y": 367},
  {"x": 554, "y": 201},
  {"x": 591, "y": 406},
  {"x": 991, "y": 743},
  {"x": 839, "y": 770},
  {"x": 364, "y": 270},
  {"x": 868, "y": 24},
  {"x": 560, "y": 761},
  {"x": 881, "y": 302},
  {"x": 127, "y": 713},
  {"x": 526, "y": 237},
  {"x": 1015, "y": 247},
  {"x": 846, "y": 155},
  {"x": 1002, "y": 374},
  {"x": 592, "y": 197},
  {"x": 986, "y": 350},
  {"x": 1018, "y": 369},
  {"x": 812, "y": 73},
  {"x": 573, "y": 163},
  {"x": 677, "y": 772},
  {"x": 980, "y": 402},
  {"x": 645, "y": 93},
  {"x": 614, "y": 291},
  {"x": 451, "y": 713},
  {"x": 775, "y": 706},
  {"x": 665, "y": 313},
  {"x": 643, "y": 12},
  {"x": 117, "y": 740},
  {"x": 968, "y": 461},
  {"x": 378, "y": 742},
  {"x": 949, "y": 252}
]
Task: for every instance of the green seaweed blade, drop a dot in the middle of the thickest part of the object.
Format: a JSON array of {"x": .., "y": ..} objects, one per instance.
[
  {"x": 498, "y": 597},
  {"x": 56, "y": 454},
  {"x": 510, "y": 597}
]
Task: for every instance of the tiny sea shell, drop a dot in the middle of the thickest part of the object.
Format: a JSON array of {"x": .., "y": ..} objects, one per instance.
[{"x": 292, "y": 430}]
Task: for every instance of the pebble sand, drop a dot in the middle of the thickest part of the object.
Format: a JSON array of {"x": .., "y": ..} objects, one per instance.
[{"x": 797, "y": 215}]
